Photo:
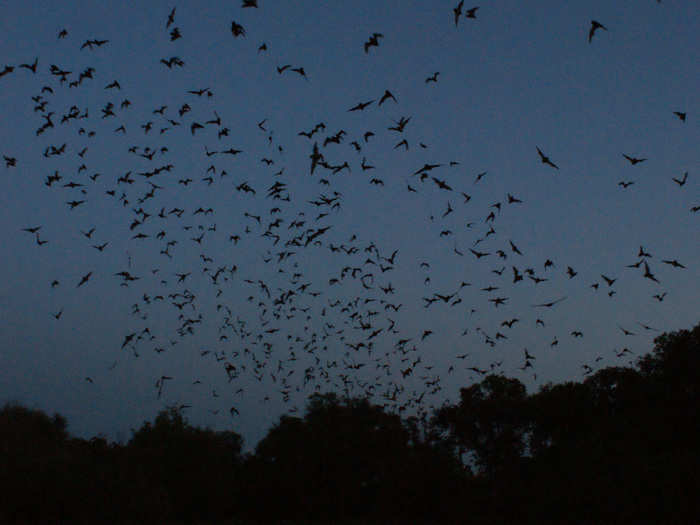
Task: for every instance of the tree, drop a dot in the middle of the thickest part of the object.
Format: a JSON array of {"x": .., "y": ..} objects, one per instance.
[
  {"x": 197, "y": 469},
  {"x": 32, "y": 461},
  {"x": 490, "y": 421},
  {"x": 345, "y": 458},
  {"x": 672, "y": 425},
  {"x": 30, "y": 429},
  {"x": 675, "y": 362}
]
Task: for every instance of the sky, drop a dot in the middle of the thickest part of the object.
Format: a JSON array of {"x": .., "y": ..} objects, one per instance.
[{"x": 383, "y": 281}]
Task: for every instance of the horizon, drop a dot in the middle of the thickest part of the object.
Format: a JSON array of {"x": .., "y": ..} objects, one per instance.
[{"x": 248, "y": 448}]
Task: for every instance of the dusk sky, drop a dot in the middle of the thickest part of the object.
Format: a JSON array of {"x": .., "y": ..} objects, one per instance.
[{"x": 306, "y": 298}]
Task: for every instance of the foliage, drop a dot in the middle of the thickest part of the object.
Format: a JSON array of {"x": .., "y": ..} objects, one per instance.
[
  {"x": 491, "y": 421},
  {"x": 195, "y": 467},
  {"x": 621, "y": 446}
]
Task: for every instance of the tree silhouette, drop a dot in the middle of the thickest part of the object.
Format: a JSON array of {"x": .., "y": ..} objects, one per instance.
[
  {"x": 32, "y": 463},
  {"x": 491, "y": 421},
  {"x": 675, "y": 362},
  {"x": 196, "y": 469},
  {"x": 672, "y": 425},
  {"x": 339, "y": 460},
  {"x": 621, "y": 446},
  {"x": 349, "y": 458}
]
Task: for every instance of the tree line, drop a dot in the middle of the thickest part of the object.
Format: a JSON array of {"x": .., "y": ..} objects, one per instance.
[{"x": 621, "y": 446}]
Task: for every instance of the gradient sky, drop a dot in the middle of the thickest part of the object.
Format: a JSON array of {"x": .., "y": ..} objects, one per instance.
[{"x": 515, "y": 78}]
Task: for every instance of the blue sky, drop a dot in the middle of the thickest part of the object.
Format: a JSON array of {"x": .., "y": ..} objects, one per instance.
[{"x": 511, "y": 80}]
